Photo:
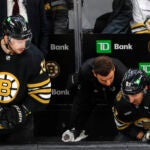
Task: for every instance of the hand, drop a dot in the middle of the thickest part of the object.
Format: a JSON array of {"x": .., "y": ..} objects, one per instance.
[
  {"x": 12, "y": 116},
  {"x": 140, "y": 135}
]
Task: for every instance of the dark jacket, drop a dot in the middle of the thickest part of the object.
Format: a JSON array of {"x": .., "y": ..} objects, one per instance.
[
  {"x": 91, "y": 92},
  {"x": 118, "y": 21},
  {"x": 37, "y": 21}
]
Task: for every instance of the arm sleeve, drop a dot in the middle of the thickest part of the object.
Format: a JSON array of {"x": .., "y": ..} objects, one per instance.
[
  {"x": 120, "y": 20},
  {"x": 82, "y": 104},
  {"x": 81, "y": 110},
  {"x": 126, "y": 127},
  {"x": 39, "y": 87}
]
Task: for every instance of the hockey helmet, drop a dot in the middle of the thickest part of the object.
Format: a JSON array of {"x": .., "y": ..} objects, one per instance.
[
  {"x": 16, "y": 27},
  {"x": 134, "y": 81}
]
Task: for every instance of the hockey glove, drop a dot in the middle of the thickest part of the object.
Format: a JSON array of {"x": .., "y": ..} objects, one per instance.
[
  {"x": 12, "y": 116},
  {"x": 73, "y": 135},
  {"x": 146, "y": 137}
]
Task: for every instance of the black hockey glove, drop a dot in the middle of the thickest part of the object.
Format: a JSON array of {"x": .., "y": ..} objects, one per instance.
[{"x": 12, "y": 116}]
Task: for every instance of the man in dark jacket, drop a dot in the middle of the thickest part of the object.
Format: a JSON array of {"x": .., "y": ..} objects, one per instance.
[
  {"x": 99, "y": 82},
  {"x": 33, "y": 12},
  {"x": 118, "y": 22}
]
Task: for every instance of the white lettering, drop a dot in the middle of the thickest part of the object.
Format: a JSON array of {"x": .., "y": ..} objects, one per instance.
[
  {"x": 123, "y": 47},
  {"x": 60, "y": 92},
  {"x": 64, "y": 47}
]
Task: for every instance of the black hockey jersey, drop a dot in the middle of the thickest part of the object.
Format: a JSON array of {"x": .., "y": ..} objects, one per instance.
[
  {"x": 130, "y": 119},
  {"x": 23, "y": 80}
]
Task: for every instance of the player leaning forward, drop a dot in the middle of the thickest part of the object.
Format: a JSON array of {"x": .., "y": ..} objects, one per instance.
[
  {"x": 132, "y": 107},
  {"x": 24, "y": 83}
]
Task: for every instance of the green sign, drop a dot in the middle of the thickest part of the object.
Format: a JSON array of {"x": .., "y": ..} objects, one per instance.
[
  {"x": 145, "y": 66},
  {"x": 103, "y": 46}
]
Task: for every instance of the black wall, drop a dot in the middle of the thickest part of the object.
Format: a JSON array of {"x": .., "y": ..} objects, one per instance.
[{"x": 134, "y": 49}]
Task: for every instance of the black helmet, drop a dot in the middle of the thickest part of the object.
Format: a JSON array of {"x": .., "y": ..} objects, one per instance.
[
  {"x": 16, "y": 27},
  {"x": 134, "y": 81}
]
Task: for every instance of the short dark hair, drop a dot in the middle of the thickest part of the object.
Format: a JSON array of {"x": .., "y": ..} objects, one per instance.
[{"x": 103, "y": 65}]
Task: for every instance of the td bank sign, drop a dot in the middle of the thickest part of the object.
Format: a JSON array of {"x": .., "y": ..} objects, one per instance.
[
  {"x": 145, "y": 66},
  {"x": 103, "y": 46}
]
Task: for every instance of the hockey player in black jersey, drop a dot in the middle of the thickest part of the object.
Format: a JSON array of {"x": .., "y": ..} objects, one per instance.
[
  {"x": 24, "y": 83},
  {"x": 99, "y": 82},
  {"x": 132, "y": 107}
]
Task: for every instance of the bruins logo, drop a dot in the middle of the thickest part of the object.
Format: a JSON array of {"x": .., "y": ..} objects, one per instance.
[
  {"x": 119, "y": 96},
  {"x": 53, "y": 69},
  {"x": 9, "y": 86}
]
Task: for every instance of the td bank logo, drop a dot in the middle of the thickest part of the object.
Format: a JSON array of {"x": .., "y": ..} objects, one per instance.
[
  {"x": 103, "y": 46},
  {"x": 145, "y": 66}
]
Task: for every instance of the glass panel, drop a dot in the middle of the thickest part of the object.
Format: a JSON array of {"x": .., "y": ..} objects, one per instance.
[{"x": 92, "y": 10}]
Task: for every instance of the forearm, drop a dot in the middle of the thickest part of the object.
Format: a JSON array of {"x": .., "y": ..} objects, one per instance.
[{"x": 133, "y": 132}]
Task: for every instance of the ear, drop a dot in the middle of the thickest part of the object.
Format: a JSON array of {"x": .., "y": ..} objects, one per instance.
[
  {"x": 94, "y": 73},
  {"x": 6, "y": 38},
  {"x": 146, "y": 87}
]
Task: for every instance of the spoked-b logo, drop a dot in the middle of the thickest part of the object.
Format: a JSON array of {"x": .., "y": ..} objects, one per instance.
[{"x": 103, "y": 46}]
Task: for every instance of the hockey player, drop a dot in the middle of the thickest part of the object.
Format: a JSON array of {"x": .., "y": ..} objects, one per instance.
[
  {"x": 141, "y": 17},
  {"x": 25, "y": 86},
  {"x": 132, "y": 107},
  {"x": 99, "y": 82},
  {"x": 57, "y": 13},
  {"x": 33, "y": 12}
]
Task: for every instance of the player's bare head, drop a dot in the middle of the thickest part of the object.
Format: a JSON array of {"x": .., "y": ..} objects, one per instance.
[{"x": 103, "y": 65}]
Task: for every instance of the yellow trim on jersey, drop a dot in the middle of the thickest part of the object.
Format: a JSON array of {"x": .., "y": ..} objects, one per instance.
[
  {"x": 138, "y": 25},
  {"x": 40, "y": 91},
  {"x": 143, "y": 32},
  {"x": 43, "y": 101},
  {"x": 142, "y": 119},
  {"x": 139, "y": 28},
  {"x": 1, "y": 127},
  {"x": 39, "y": 84},
  {"x": 121, "y": 125},
  {"x": 141, "y": 122}
]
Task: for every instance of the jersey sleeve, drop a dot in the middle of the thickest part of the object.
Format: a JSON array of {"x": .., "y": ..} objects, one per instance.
[
  {"x": 39, "y": 87},
  {"x": 123, "y": 123}
]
